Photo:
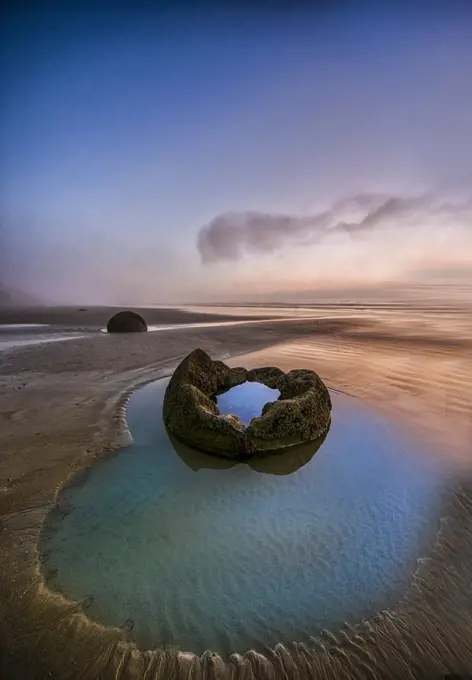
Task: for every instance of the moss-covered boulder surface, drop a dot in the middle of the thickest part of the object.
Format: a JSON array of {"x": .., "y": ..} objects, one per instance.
[
  {"x": 301, "y": 414},
  {"x": 126, "y": 322}
]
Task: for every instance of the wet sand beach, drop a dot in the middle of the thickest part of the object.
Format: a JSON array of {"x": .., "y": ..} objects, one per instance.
[{"x": 63, "y": 405}]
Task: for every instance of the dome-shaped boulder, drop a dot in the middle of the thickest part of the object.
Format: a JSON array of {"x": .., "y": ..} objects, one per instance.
[{"x": 126, "y": 322}]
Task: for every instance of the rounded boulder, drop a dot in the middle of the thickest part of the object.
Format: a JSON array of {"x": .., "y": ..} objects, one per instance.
[{"x": 126, "y": 322}]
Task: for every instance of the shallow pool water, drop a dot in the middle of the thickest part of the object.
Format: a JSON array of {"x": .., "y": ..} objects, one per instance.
[
  {"x": 246, "y": 400},
  {"x": 202, "y": 554}
]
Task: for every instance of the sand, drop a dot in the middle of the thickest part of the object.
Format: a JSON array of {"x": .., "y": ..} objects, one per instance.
[{"x": 63, "y": 404}]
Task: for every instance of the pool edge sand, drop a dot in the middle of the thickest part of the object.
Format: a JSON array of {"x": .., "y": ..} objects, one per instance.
[{"x": 39, "y": 623}]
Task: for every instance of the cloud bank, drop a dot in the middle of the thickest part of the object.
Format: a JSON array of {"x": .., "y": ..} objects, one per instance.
[{"x": 232, "y": 236}]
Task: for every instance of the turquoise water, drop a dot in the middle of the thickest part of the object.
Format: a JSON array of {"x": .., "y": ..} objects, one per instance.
[
  {"x": 197, "y": 553},
  {"x": 246, "y": 400}
]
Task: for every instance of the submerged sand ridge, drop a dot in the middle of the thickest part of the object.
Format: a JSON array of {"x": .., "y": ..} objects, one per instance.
[{"x": 429, "y": 630}]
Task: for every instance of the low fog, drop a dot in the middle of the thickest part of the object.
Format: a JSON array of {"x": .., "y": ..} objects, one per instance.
[
  {"x": 358, "y": 241},
  {"x": 180, "y": 160}
]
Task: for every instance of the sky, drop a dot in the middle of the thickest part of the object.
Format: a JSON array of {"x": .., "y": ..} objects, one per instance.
[{"x": 224, "y": 151}]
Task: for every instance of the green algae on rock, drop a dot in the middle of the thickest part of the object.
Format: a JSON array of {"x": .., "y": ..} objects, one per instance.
[{"x": 301, "y": 414}]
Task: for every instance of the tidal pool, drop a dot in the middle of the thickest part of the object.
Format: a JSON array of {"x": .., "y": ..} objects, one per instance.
[
  {"x": 198, "y": 553},
  {"x": 246, "y": 400}
]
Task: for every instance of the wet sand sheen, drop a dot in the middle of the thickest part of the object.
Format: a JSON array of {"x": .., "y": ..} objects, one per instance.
[{"x": 428, "y": 391}]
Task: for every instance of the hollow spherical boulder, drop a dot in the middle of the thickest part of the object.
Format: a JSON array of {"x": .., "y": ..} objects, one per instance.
[
  {"x": 301, "y": 414},
  {"x": 126, "y": 322}
]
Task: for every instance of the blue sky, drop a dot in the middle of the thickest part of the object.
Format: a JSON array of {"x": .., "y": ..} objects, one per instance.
[{"x": 124, "y": 132}]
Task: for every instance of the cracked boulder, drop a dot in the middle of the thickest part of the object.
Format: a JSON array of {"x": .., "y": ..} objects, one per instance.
[{"x": 301, "y": 414}]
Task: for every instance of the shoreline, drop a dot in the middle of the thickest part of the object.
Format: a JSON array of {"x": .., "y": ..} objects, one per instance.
[
  {"x": 107, "y": 649},
  {"x": 93, "y": 317}
]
